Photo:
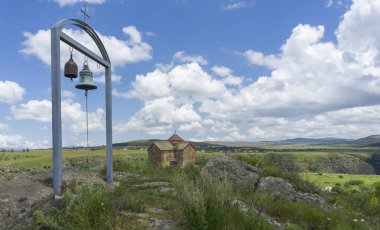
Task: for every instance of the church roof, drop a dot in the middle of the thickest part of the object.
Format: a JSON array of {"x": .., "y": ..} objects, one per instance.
[
  {"x": 164, "y": 145},
  {"x": 168, "y": 146},
  {"x": 175, "y": 137}
]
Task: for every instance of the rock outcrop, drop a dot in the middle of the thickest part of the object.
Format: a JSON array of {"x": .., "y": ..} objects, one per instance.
[
  {"x": 242, "y": 174},
  {"x": 238, "y": 172},
  {"x": 18, "y": 198},
  {"x": 279, "y": 188}
]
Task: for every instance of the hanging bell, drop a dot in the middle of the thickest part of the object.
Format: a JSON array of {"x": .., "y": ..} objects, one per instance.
[
  {"x": 86, "y": 81},
  {"x": 71, "y": 68}
]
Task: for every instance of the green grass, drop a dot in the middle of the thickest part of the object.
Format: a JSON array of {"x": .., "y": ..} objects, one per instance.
[
  {"x": 201, "y": 201},
  {"x": 331, "y": 179},
  {"x": 39, "y": 159}
]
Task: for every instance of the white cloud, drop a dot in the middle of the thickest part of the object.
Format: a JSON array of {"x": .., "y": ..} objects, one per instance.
[
  {"x": 67, "y": 94},
  {"x": 158, "y": 116},
  {"x": 329, "y": 3},
  {"x": 309, "y": 76},
  {"x": 222, "y": 71},
  {"x": 337, "y": 3},
  {"x": 149, "y": 33},
  {"x": 73, "y": 2},
  {"x": 181, "y": 56},
  {"x": 18, "y": 142},
  {"x": 226, "y": 73},
  {"x": 121, "y": 52},
  {"x": 190, "y": 126},
  {"x": 10, "y": 92},
  {"x": 73, "y": 118},
  {"x": 316, "y": 88},
  {"x": 4, "y": 126},
  {"x": 236, "y": 4},
  {"x": 184, "y": 81},
  {"x": 102, "y": 79},
  {"x": 347, "y": 123},
  {"x": 258, "y": 58}
]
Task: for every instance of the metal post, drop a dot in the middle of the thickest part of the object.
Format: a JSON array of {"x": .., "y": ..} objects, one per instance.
[
  {"x": 56, "y": 36},
  {"x": 56, "y": 111},
  {"x": 109, "y": 125}
]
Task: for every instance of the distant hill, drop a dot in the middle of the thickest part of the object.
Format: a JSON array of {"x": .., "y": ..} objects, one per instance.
[
  {"x": 136, "y": 143},
  {"x": 295, "y": 141},
  {"x": 370, "y": 141},
  {"x": 315, "y": 141}
]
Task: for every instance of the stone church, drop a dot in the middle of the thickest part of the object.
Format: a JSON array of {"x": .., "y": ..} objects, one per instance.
[{"x": 174, "y": 151}]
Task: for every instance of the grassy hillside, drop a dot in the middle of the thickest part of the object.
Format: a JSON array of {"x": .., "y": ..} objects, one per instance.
[{"x": 200, "y": 202}]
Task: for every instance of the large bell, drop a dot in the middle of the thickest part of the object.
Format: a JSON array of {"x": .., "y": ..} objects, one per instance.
[
  {"x": 71, "y": 68},
  {"x": 86, "y": 81}
]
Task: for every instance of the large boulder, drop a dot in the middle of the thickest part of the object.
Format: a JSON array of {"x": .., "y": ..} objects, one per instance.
[
  {"x": 279, "y": 188},
  {"x": 238, "y": 172}
]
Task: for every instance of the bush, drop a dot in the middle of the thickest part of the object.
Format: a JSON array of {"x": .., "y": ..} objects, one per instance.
[
  {"x": 353, "y": 182},
  {"x": 250, "y": 159},
  {"x": 91, "y": 208},
  {"x": 337, "y": 189},
  {"x": 201, "y": 161},
  {"x": 203, "y": 203},
  {"x": 377, "y": 189}
]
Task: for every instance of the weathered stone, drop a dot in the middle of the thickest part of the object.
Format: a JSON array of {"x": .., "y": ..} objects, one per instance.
[
  {"x": 160, "y": 224},
  {"x": 19, "y": 199},
  {"x": 238, "y": 172},
  {"x": 165, "y": 189},
  {"x": 237, "y": 204},
  {"x": 157, "y": 210},
  {"x": 279, "y": 188},
  {"x": 118, "y": 176},
  {"x": 150, "y": 185}
]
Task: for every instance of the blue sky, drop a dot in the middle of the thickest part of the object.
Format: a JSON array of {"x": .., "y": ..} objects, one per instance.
[{"x": 236, "y": 70}]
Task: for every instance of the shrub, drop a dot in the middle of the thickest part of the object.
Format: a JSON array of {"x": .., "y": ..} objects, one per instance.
[
  {"x": 337, "y": 189},
  {"x": 250, "y": 159},
  {"x": 91, "y": 208},
  {"x": 203, "y": 203},
  {"x": 201, "y": 160},
  {"x": 377, "y": 189},
  {"x": 353, "y": 182}
]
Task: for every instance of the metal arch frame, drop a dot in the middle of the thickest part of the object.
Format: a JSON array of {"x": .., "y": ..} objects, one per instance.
[{"x": 56, "y": 36}]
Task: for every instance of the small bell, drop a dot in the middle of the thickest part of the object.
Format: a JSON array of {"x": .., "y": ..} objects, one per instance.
[
  {"x": 86, "y": 79},
  {"x": 71, "y": 68}
]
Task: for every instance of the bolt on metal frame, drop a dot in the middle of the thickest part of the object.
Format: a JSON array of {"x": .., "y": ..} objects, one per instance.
[{"x": 56, "y": 36}]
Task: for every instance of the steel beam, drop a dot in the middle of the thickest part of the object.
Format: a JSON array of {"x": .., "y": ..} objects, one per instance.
[
  {"x": 56, "y": 111},
  {"x": 109, "y": 125},
  {"x": 84, "y": 50}
]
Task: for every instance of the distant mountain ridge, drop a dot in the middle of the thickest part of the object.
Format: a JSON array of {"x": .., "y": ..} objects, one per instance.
[{"x": 370, "y": 141}]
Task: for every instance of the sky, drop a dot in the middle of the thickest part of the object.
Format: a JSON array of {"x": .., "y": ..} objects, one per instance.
[{"x": 231, "y": 70}]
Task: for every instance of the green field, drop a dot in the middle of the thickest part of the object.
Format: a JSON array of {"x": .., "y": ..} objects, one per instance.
[
  {"x": 201, "y": 203},
  {"x": 38, "y": 160},
  {"x": 331, "y": 179},
  {"x": 42, "y": 159}
]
